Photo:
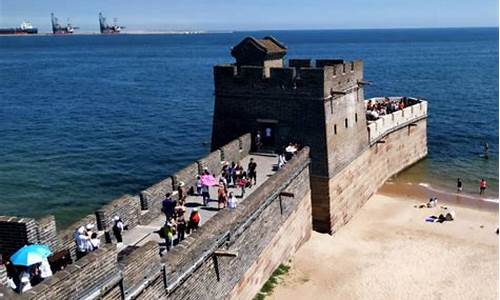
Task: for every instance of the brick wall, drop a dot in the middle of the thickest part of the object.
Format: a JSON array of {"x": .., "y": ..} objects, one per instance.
[
  {"x": 355, "y": 184},
  {"x": 152, "y": 197},
  {"x": 187, "y": 175},
  {"x": 15, "y": 233},
  {"x": 212, "y": 162},
  {"x": 139, "y": 264},
  {"x": 127, "y": 207},
  {"x": 245, "y": 144},
  {"x": 231, "y": 151},
  {"x": 3, "y": 275},
  {"x": 47, "y": 233},
  {"x": 78, "y": 279},
  {"x": 217, "y": 277}
]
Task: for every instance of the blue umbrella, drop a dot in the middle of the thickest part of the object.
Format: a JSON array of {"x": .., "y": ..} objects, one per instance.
[
  {"x": 43, "y": 250},
  {"x": 30, "y": 255}
]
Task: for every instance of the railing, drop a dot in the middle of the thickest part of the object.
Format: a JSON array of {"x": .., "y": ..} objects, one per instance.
[{"x": 388, "y": 123}]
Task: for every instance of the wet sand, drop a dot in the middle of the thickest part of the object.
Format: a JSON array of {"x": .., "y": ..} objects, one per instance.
[{"x": 388, "y": 251}]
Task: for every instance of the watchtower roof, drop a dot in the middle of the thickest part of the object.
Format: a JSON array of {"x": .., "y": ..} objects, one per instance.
[{"x": 251, "y": 49}]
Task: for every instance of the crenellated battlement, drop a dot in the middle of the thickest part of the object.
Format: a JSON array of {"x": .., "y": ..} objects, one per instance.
[{"x": 327, "y": 75}]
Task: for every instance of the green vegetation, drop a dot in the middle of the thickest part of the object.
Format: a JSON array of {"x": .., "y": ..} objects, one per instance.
[{"x": 271, "y": 283}]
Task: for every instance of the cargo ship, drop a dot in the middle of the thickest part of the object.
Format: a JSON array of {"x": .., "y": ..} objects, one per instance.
[
  {"x": 25, "y": 28},
  {"x": 59, "y": 29},
  {"x": 108, "y": 29}
]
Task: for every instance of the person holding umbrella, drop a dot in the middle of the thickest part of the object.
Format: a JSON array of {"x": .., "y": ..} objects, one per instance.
[{"x": 30, "y": 257}]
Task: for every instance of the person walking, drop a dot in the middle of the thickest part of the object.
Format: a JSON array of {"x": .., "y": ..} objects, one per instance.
[
  {"x": 459, "y": 185},
  {"x": 222, "y": 196},
  {"x": 168, "y": 206},
  {"x": 482, "y": 186},
  {"x": 181, "y": 227},
  {"x": 231, "y": 201},
  {"x": 205, "y": 193},
  {"x": 252, "y": 172}
]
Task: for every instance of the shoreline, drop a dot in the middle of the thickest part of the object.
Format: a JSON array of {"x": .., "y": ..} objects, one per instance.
[
  {"x": 424, "y": 192},
  {"x": 388, "y": 251}
]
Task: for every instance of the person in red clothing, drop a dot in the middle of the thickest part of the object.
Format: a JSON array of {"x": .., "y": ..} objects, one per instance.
[
  {"x": 194, "y": 221},
  {"x": 482, "y": 186}
]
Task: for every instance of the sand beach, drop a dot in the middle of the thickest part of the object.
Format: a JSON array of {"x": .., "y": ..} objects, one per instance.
[{"x": 388, "y": 251}]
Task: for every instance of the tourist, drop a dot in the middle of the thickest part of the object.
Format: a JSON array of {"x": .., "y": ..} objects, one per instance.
[
  {"x": 45, "y": 270},
  {"x": 258, "y": 141},
  {"x": 242, "y": 183},
  {"x": 81, "y": 239},
  {"x": 221, "y": 195},
  {"x": 252, "y": 171},
  {"x": 205, "y": 193},
  {"x": 181, "y": 192},
  {"x": 181, "y": 224},
  {"x": 231, "y": 201},
  {"x": 168, "y": 206},
  {"x": 459, "y": 185},
  {"x": 281, "y": 161},
  {"x": 94, "y": 241},
  {"x": 482, "y": 186},
  {"x": 169, "y": 232},
  {"x": 118, "y": 229},
  {"x": 24, "y": 281},
  {"x": 198, "y": 185},
  {"x": 194, "y": 221}
]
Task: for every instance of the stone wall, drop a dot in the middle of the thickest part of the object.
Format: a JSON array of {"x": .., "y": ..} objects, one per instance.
[
  {"x": 82, "y": 278},
  {"x": 261, "y": 224},
  {"x": 350, "y": 188},
  {"x": 126, "y": 207},
  {"x": 15, "y": 233}
]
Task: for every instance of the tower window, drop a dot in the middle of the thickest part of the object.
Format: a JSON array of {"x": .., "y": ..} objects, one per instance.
[
  {"x": 343, "y": 68},
  {"x": 352, "y": 66},
  {"x": 335, "y": 129},
  {"x": 356, "y": 118},
  {"x": 346, "y": 123}
]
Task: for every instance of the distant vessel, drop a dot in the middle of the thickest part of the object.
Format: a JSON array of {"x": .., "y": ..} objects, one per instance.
[
  {"x": 25, "y": 28},
  {"x": 107, "y": 29},
  {"x": 59, "y": 29}
]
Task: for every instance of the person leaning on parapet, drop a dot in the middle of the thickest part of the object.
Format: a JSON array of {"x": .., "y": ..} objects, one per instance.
[
  {"x": 168, "y": 206},
  {"x": 118, "y": 229},
  {"x": 81, "y": 239}
]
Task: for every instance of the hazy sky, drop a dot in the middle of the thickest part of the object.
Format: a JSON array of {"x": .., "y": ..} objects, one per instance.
[{"x": 231, "y": 15}]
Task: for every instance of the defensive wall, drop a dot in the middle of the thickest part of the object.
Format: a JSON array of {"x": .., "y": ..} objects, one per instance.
[
  {"x": 230, "y": 256},
  {"x": 345, "y": 160}
]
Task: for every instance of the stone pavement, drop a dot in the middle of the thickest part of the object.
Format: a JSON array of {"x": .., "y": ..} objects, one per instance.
[{"x": 141, "y": 234}]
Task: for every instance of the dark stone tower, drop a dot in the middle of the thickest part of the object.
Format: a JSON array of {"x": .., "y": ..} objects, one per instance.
[{"x": 319, "y": 105}]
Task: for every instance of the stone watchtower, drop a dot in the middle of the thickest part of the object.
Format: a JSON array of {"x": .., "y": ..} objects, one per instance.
[{"x": 319, "y": 105}]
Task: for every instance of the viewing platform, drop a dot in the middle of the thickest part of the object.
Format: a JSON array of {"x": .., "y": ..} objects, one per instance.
[{"x": 380, "y": 125}]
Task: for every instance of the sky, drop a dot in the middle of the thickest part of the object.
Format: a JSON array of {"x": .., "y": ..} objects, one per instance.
[{"x": 232, "y": 15}]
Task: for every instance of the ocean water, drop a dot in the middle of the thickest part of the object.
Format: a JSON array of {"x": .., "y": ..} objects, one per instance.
[{"x": 87, "y": 118}]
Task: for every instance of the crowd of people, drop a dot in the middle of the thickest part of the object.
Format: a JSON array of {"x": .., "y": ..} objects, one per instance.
[
  {"x": 375, "y": 109},
  {"x": 178, "y": 224},
  {"x": 23, "y": 278}
]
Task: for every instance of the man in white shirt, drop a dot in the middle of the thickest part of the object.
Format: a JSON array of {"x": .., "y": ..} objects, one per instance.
[{"x": 81, "y": 240}]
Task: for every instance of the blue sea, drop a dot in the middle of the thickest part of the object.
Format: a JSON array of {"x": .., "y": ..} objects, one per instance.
[{"x": 87, "y": 118}]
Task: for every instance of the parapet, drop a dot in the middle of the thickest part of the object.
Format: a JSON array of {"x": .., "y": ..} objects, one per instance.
[{"x": 324, "y": 75}]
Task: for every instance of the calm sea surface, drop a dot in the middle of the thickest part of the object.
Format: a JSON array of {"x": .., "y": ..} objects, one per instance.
[{"x": 85, "y": 119}]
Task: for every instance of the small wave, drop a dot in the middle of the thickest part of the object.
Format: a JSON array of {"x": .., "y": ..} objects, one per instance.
[{"x": 462, "y": 195}]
